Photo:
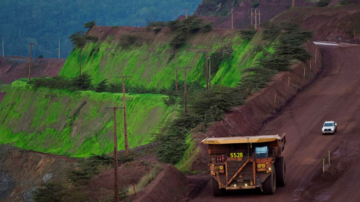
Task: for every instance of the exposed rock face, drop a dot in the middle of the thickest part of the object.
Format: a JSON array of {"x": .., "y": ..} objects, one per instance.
[
  {"x": 21, "y": 172},
  {"x": 6, "y": 185}
]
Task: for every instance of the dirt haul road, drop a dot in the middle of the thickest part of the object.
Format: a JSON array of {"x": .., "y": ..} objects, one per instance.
[{"x": 334, "y": 95}]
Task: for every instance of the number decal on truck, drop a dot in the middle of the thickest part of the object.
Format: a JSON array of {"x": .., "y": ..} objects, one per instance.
[{"x": 236, "y": 155}]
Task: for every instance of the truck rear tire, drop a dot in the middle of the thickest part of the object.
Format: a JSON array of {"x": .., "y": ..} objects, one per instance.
[
  {"x": 269, "y": 186},
  {"x": 280, "y": 168},
  {"x": 215, "y": 188}
]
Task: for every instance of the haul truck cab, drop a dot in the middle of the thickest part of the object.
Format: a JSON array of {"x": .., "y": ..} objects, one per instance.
[{"x": 246, "y": 162}]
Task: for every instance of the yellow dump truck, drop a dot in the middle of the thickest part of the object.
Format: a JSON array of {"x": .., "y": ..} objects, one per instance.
[{"x": 246, "y": 162}]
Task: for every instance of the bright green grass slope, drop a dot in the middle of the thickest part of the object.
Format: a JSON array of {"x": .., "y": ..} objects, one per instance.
[
  {"x": 156, "y": 69},
  {"x": 77, "y": 123}
]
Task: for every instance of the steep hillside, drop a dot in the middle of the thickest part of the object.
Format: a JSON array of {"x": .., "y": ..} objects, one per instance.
[
  {"x": 13, "y": 68},
  {"x": 336, "y": 23},
  {"x": 76, "y": 123},
  {"x": 21, "y": 172},
  {"x": 151, "y": 61},
  {"x": 219, "y": 11}
]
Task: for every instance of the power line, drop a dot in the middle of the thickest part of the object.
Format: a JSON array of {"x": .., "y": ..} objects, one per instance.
[{"x": 31, "y": 45}]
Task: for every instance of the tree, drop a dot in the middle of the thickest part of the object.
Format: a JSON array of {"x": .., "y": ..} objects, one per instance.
[
  {"x": 79, "y": 39},
  {"x": 82, "y": 82},
  {"x": 90, "y": 24},
  {"x": 102, "y": 86}
]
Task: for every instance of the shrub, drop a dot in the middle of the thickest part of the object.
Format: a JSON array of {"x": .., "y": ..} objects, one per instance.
[
  {"x": 157, "y": 29},
  {"x": 49, "y": 192},
  {"x": 224, "y": 53},
  {"x": 170, "y": 101},
  {"x": 222, "y": 98},
  {"x": 79, "y": 39},
  {"x": 255, "y": 4},
  {"x": 127, "y": 40},
  {"x": 207, "y": 27},
  {"x": 172, "y": 145},
  {"x": 102, "y": 86},
  {"x": 88, "y": 168},
  {"x": 157, "y": 24},
  {"x": 255, "y": 78},
  {"x": 82, "y": 82},
  {"x": 57, "y": 82},
  {"x": 346, "y": 2},
  {"x": 90, "y": 24},
  {"x": 276, "y": 63},
  {"x": 206, "y": 108},
  {"x": 192, "y": 24},
  {"x": 247, "y": 34},
  {"x": 174, "y": 25},
  {"x": 271, "y": 32},
  {"x": 41, "y": 56},
  {"x": 177, "y": 41}
]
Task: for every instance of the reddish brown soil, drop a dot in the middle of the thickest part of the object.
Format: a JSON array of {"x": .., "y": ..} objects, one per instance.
[
  {"x": 333, "y": 95},
  {"x": 129, "y": 174},
  {"x": 268, "y": 9},
  {"x": 328, "y": 23},
  {"x": 259, "y": 108},
  {"x": 2, "y": 96},
  {"x": 25, "y": 170},
  {"x": 169, "y": 185},
  {"x": 13, "y": 68}
]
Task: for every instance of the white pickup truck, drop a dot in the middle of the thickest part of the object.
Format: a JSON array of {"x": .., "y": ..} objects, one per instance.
[{"x": 329, "y": 127}]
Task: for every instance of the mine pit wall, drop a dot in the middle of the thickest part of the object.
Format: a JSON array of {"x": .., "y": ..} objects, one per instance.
[
  {"x": 259, "y": 108},
  {"x": 14, "y": 68},
  {"x": 22, "y": 172},
  {"x": 249, "y": 118}
]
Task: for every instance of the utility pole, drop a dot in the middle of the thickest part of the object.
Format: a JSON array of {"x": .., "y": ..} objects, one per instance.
[
  {"x": 31, "y": 44},
  {"x": 176, "y": 73},
  {"x": 152, "y": 17},
  {"x": 251, "y": 18},
  {"x": 3, "y": 49},
  {"x": 255, "y": 18},
  {"x": 207, "y": 70},
  {"x": 185, "y": 90},
  {"x": 259, "y": 19},
  {"x": 80, "y": 62},
  {"x": 59, "y": 48},
  {"x": 210, "y": 72},
  {"x": 186, "y": 13},
  {"x": 124, "y": 108},
  {"x": 116, "y": 183},
  {"x": 232, "y": 18}
]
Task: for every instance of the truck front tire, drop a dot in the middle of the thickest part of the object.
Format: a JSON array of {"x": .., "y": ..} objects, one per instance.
[
  {"x": 280, "y": 168},
  {"x": 215, "y": 188},
  {"x": 269, "y": 186}
]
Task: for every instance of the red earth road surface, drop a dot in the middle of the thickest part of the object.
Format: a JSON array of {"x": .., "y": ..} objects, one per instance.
[{"x": 335, "y": 95}]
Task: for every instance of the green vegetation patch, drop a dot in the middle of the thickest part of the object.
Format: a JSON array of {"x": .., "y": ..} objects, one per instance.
[{"x": 77, "y": 123}]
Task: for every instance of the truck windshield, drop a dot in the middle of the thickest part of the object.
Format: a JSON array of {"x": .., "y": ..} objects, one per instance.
[
  {"x": 328, "y": 124},
  {"x": 261, "y": 152}
]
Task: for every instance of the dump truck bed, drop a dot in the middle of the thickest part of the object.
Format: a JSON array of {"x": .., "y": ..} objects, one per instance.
[{"x": 242, "y": 139}]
